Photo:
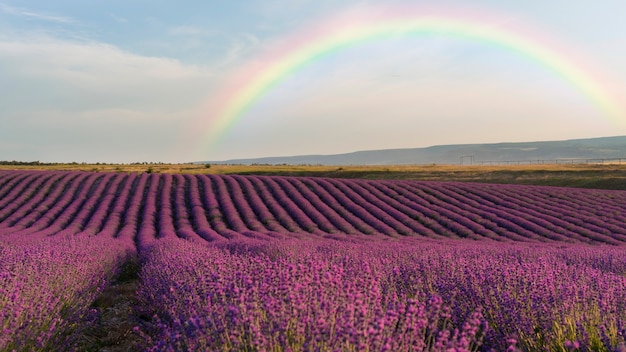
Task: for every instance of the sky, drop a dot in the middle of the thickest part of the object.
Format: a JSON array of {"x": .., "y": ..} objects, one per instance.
[{"x": 163, "y": 81}]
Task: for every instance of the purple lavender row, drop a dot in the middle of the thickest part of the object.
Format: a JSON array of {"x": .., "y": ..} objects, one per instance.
[
  {"x": 478, "y": 201},
  {"x": 388, "y": 201},
  {"x": 258, "y": 206},
  {"x": 47, "y": 287},
  {"x": 543, "y": 213},
  {"x": 12, "y": 180},
  {"x": 528, "y": 219},
  {"x": 42, "y": 202},
  {"x": 197, "y": 212},
  {"x": 307, "y": 207},
  {"x": 328, "y": 295},
  {"x": 463, "y": 222},
  {"x": 213, "y": 207},
  {"x": 41, "y": 218},
  {"x": 105, "y": 208},
  {"x": 112, "y": 223},
  {"x": 598, "y": 226},
  {"x": 69, "y": 205},
  {"x": 180, "y": 218},
  {"x": 59, "y": 213},
  {"x": 165, "y": 224},
  {"x": 473, "y": 213},
  {"x": 485, "y": 207},
  {"x": 147, "y": 231},
  {"x": 8, "y": 179},
  {"x": 569, "y": 212},
  {"x": 293, "y": 210},
  {"x": 533, "y": 287},
  {"x": 24, "y": 197},
  {"x": 324, "y": 209},
  {"x": 173, "y": 213},
  {"x": 379, "y": 207},
  {"x": 274, "y": 206},
  {"x": 427, "y": 213},
  {"x": 14, "y": 188},
  {"x": 130, "y": 225},
  {"x": 92, "y": 201},
  {"x": 329, "y": 196},
  {"x": 357, "y": 207},
  {"x": 612, "y": 217},
  {"x": 508, "y": 226},
  {"x": 604, "y": 201},
  {"x": 518, "y": 226},
  {"x": 47, "y": 200},
  {"x": 254, "y": 228},
  {"x": 242, "y": 205},
  {"x": 18, "y": 207},
  {"x": 592, "y": 217},
  {"x": 478, "y": 216},
  {"x": 227, "y": 206},
  {"x": 397, "y": 207},
  {"x": 527, "y": 290},
  {"x": 181, "y": 207},
  {"x": 208, "y": 298}
]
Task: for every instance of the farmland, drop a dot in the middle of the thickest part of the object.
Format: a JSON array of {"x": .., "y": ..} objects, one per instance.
[
  {"x": 251, "y": 262},
  {"x": 601, "y": 176}
]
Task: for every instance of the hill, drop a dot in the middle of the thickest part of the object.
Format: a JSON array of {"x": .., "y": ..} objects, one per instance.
[{"x": 576, "y": 150}]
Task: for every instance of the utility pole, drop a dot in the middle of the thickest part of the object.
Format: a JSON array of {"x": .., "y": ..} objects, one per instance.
[{"x": 470, "y": 157}]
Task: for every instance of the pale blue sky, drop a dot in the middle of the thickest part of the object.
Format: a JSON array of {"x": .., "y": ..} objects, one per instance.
[{"x": 124, "y": 81}]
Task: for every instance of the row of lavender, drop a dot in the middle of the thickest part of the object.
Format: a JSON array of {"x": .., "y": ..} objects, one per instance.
[
  {"x": 215, "y": 208},
  {"x": 48, "y": 284},
  {"x": 404, "y": 295},
  {"x": 64, "y": 234},
  {"x": 51, "y": 266}
]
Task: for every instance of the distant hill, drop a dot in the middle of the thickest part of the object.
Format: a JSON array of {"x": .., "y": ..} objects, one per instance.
[{"x": 579, "y": 150}]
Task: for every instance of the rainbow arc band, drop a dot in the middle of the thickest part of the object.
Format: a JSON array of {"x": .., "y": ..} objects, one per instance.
[{"x": 294, "y": 58}]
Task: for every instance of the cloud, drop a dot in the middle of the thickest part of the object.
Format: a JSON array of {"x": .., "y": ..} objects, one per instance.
[
  {"x": 91, "y": 62},
  {"x": 83, "y": 96},
  {"x": 21, "y": 12}
]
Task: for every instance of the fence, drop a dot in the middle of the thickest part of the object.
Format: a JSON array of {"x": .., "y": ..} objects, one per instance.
[{"x": 463, "y": 160}]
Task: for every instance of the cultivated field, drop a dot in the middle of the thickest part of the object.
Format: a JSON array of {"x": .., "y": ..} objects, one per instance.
[
  {"x": 601, "y": 176},
  {"x": 173, "y": 262}
]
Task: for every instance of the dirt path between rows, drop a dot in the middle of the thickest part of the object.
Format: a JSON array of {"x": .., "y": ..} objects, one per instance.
[{"x": 116, "y": 306}]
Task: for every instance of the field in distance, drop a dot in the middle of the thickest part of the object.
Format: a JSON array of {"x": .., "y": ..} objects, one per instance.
[{"x": 600, "y": 176}]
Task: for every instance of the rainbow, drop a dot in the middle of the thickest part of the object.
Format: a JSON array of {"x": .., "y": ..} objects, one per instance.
[{"x": 345, "y": 31}]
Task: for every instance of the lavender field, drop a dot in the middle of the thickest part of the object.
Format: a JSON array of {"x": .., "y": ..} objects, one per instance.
[{"x": 271, "y": 263}]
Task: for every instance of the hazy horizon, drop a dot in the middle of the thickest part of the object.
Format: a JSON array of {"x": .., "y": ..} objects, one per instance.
[
  {"x": 111, "y": 81},
  {"x": 408, "y": 148}
]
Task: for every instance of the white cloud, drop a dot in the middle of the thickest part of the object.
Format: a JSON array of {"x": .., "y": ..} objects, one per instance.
[
  {"x": 90, "y": 61},
  {"x": 83, "y": 96}
]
